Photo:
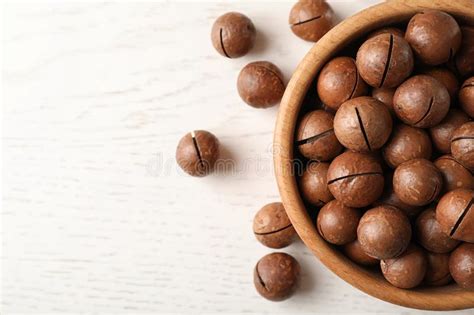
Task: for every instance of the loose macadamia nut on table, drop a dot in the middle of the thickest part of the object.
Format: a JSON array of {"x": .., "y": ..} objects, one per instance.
[
  {"x": 260, "y": 84},
  {"x": 407, "y": 143},
  {"x": 464, "y": 63},
  {"x": 313, "y": 184},
  {"x": 421, "y": 101},
  {"x": 417, "y": 182},
  {"x": 354, "y": 251},
  {"x": 430, "y": 234},
  {"x": 340, "y": 81},
  {"x": 363, "y": 124},
  {"x": 385, "y": 60},
  {"x": 462, "y": 145},
  {"x": 272, "y": 227},
  {"x": 315, "y": 136},
  {"x": 197, "y": 152},
  {"x": 447, "y": 78},
  {"x": 441, "y": 134},
  {"x": 355, "y": 179},
  {"x": 437, "y": 271},
  {"x": 461, "y": 266},
  {"x": 233, "y": 35},
  {"x": 407, "y": 270},
  {"x": 311, "y": 19},
  {"x": 337, "y": 223},
  {"x": 389, "y": 197},
  {"x": 276, "y": 276},
  {"x": 384, "y": 232},
  {"x": 466, "y": 95},
  {"x": 385, "y": 95},
  {"x": 455, "y": 175},
  {"x": 435, "y": 36},
  {"x": 455, "y": 214}
]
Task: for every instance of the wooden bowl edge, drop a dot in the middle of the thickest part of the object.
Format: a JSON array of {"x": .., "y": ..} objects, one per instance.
[{"x": 446, "y": 298}]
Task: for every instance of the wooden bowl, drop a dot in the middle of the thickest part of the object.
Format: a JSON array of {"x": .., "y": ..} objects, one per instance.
[{"x": 391, "y": 12}]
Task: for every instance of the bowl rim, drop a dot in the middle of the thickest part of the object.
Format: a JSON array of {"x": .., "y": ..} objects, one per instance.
[{"x": 390, "y": 12}]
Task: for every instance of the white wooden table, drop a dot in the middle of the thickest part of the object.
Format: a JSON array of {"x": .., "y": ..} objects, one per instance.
[{"x": 96, "y": 217}]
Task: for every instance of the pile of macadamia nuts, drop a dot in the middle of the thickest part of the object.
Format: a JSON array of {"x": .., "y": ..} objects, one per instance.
[{"x": 388, "y": 146}]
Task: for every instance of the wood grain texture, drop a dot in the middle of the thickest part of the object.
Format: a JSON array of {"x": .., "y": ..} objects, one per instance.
[
  {"x": 96, "y": 218},
  {"x": 443, "y": 298}
]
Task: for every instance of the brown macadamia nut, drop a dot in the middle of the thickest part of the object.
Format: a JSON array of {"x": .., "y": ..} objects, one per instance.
[
  {"x": 272, "y": 227},
  {"x": 389, "y": 197},
  {"x": 313, "y": 184},
  {"x": 441, "y": 134},
  {"x": 337, "y": 223},
  {"x": 466, "y": 96},
  {"x": 385, "y": 60},
  {"x": 462, "y": 145},
  {"x": 437, "y": 271},
  {"x": 260, "y": 84},
  {"x": 340, "y": 81},
  {"x": 461, "y": 266},
  {"x": 455, "y": 175},
  {"x": 385, "y": 95},
  {"x": 435, "y": 36},
  {"x": 197, "y": 152},
  {"x": 384, "y": 232},
  {"x": 431, "y": 236},
  {"x": 417, "y": 182},
  {"x": 315, "y": 136},
  {"x": 233, "y": 35},
  {"x": 354, "y": 251},
  {"x": 455, "y": 214},
  {"x": 421, "y": 101},
  {"x": 406, "y": 271},
  {"x": 363, "y": 124},
  {"x": 355, "y": 179},
  {"x": 407, "y": 143},
  {"x": 311, "y": 19},
  {"x": 447, "y": 78},
  {"x": 464, "y": 63},
  {"x": 276, "y": 276},
  {"x": 390, "y": 30}
]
